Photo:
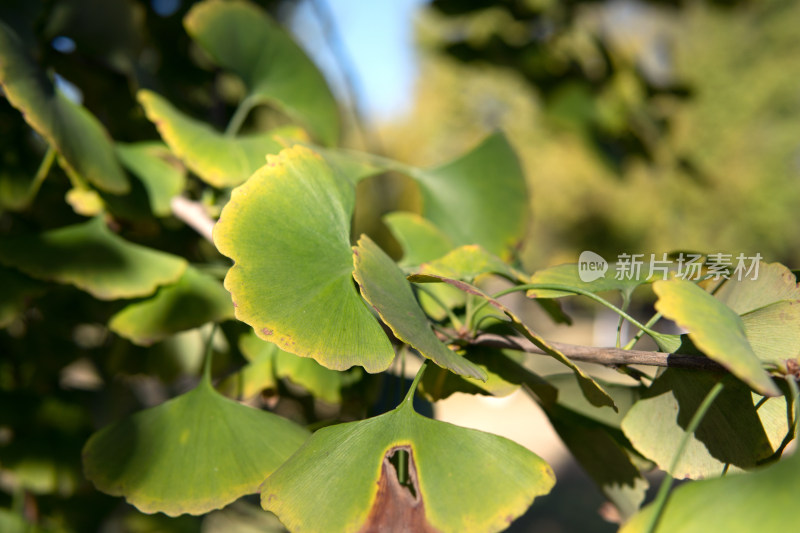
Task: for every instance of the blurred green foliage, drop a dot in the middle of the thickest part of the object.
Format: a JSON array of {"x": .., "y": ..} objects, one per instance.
[{"x": 644, "y": 126}]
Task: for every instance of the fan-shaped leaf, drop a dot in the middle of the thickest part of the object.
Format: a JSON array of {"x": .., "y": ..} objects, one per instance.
[
  {"x": 459, "y": 479},
  {"x": 219, "y": 160},
  {"x": 83, "y": 144},
  {"x": 715, "y": 329},
  {"x": 467, "y": 263},
  {"x": 241, "y": 37},
  {"x": 194, "y": 300},
  {"x": 91, "y": 257},
  {"x": 150, "y": 162},
  {"x": 194, "y": 453},
  {"x": 731, "y": 431},
  {"x": 287, "y": 230}
]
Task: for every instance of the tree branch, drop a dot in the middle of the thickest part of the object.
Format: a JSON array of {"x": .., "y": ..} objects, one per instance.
[
  {"x": 602, "y": 356},
  {"x": 193, "y": 214}
]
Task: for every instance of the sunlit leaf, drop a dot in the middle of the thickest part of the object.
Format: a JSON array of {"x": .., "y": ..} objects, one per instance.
[
  {"x": 715, "y": 329},
  {"x": 770, "y": 310},
  {"x": 730, "y": 433},
  {"x": 91, "y": 257},
  {"x": 591, "y": 389},
  {"x": 150, "y": 162},
  {"x": 192, "y": 454},
  {"x": 385, "y": 287},
  {"x": 219, "y": 160},
  {"x": 241, "y": 37},
  {"x": 83, "y": 144},
  {"x": 459, "y": 479},
  {"x": 194, "y": 300},
  {"x": 467, "y": 263},
  {"x": 287, "y": 229}
]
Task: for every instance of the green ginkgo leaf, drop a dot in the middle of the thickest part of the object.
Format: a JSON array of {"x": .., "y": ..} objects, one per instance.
[
  {"x": 420, "y": 239},
  {"x": 150, "y": 162},
  {"x": 488, "y": 185},
  {"x": 385, "y": 287},
  {"x": 287, "y": 228},
  {"x": 89, "y": 256},
  {"x": 456, "y": 479},
  {"x": 267, "y": 363},
  {"x": 192, "y": 454},
  {"x": 194, "y": 300},
  {"x": 84, "y": 147},
  {"x": 770, "y": 310},
  {"x": 715, "y": 329},
  {"x": 763, "y": 500},
  {"x": 241, "y": 37},
  {"x": 730, "y": 437},
  {"x": 467, "y": 263},
  {"x": 219, "y": 160}
]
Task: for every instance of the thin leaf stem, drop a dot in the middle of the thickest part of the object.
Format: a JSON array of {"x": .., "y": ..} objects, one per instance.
[
  {"x": 41, "y": 172},
  {"x": 239, "y": 116},
  {"x": 650, "y": 323},
  {"x": 453, "y": 318},
  {"x": 209, "y": 354},
  {"x": 574, "y": 290},
  {"x": 409, "y": 399},
  {"x": 663, "y": 491}
]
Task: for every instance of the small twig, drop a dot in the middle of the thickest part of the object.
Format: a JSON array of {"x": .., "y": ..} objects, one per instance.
[
  {"x": 193, "y": 214},
  {"x": 601, "y": 356}
]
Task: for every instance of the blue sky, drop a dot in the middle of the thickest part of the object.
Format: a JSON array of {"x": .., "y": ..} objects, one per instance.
[{"x": 378, "y": 37}]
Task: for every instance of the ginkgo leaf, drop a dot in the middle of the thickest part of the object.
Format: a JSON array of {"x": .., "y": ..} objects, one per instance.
[
  {"x": 715, "y": 329},
  {"x": 219, "y": 160},
  {"x": 458, "y": 479},
  {"x": 194, "y": 300},
  {"x": 241, "y": 37},
  {"x": 730, "y": 437},
  {"x": 770, "y": 310},
  {"x": 150, "y": 162},
  {"x": 467, "y": 263},
  {"x": 385, "y": 287},
  {"x": 91, "y": 257},
  {"x": 84, "y": 147},
  {"x": 287, "y": 228},
  {"x": 763, "y": 500},
  {"x": 192, "y": 454}
]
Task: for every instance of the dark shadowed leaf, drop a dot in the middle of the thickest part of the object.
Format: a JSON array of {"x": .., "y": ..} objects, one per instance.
[
  {"x": 91, "y": 257},
  {"x": 194, "y": 300},
  {"x": 731, "y": 431},
  {"x": 150, "y": 162},
  {"x": 84, "y": 146}
]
